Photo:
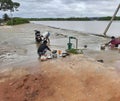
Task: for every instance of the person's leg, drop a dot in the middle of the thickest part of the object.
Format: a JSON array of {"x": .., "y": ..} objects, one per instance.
[
  {"x": 44, "y": 52},
  {"x": 40, "y": 54}
]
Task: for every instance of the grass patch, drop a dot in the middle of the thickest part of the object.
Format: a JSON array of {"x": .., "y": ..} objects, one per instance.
[
  {"x": 75, "y": 51},
  {"x": 17, "y": 21}
]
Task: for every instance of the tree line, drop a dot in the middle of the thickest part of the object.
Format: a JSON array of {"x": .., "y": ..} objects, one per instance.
[{"x": 75, "y": 19}]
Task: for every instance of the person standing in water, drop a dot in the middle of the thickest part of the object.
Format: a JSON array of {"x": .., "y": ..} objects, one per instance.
[{"x": 114, "y": 43}]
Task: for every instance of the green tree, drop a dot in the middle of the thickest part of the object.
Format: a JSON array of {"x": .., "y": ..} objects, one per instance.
[
  {"x": 6, "y": 5},
  {"x": 9, "y": 5},
  {"x": 6, "y": 17}
]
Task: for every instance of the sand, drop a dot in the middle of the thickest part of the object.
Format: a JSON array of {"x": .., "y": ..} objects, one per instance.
[
  {"x": 73, "y": 78},
  {"x": 80, "y": 77}
]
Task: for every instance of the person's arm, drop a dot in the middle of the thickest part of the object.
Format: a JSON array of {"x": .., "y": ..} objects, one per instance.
[
  {"x": 106, "y": 44},
  {"x": 48, "y": 48},
  {"x": 48, "y": 40}
]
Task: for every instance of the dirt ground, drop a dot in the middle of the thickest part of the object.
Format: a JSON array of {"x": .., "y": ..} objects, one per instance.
[{"x": 73, "y": 78}]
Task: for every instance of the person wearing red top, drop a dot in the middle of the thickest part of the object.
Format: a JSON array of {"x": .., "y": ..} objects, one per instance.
[{"x": 114, "y": 42}]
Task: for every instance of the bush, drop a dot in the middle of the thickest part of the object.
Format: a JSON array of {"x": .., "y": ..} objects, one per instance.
[
  {"x": 6, "y": 17},
  {"x": 16, "y": 21}
]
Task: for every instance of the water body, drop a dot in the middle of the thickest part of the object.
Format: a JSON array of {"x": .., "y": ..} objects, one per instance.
[
  {"x": 18, "y": 47},
  {"x": 94, "y": 27}
]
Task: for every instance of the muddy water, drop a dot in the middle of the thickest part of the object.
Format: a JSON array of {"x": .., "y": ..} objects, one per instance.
[
  {"x": 18, "y": 47},
  {"x": 96, "y": 27},
  {"x": 108, "y": 56}
]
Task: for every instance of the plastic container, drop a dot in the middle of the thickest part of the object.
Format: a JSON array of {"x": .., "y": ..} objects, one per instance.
[{"x": 59, "y": 52}]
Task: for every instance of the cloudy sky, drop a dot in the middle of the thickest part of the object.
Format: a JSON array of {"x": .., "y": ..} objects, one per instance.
[{"x": 66, "y": 8}]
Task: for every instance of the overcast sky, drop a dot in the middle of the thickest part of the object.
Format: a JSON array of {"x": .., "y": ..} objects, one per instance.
[{"x": 65, "y": 8}]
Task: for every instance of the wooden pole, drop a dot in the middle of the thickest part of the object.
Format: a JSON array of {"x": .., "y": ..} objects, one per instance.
[{"x": 111, "y": 20}]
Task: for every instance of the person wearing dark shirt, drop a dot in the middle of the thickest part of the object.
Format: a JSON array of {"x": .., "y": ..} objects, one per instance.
[
  {"x": 38, "y": 36},
  {"x": 43, "y": 48}
]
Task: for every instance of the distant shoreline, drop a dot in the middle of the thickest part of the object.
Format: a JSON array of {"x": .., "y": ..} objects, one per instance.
[{"x": 107, "y": 18}]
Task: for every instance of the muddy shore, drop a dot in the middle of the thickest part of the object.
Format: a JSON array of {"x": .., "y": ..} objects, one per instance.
[{"x": 74, "y": 78}]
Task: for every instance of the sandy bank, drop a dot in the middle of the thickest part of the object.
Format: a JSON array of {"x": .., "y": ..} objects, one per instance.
[{"x": 74, "y": 78}]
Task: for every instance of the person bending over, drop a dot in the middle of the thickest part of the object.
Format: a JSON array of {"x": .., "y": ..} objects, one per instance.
[
  {"x": 43, "y": 48},
  {"x": 114, "y": 42},
  {"x": 38, "y": 36}
]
